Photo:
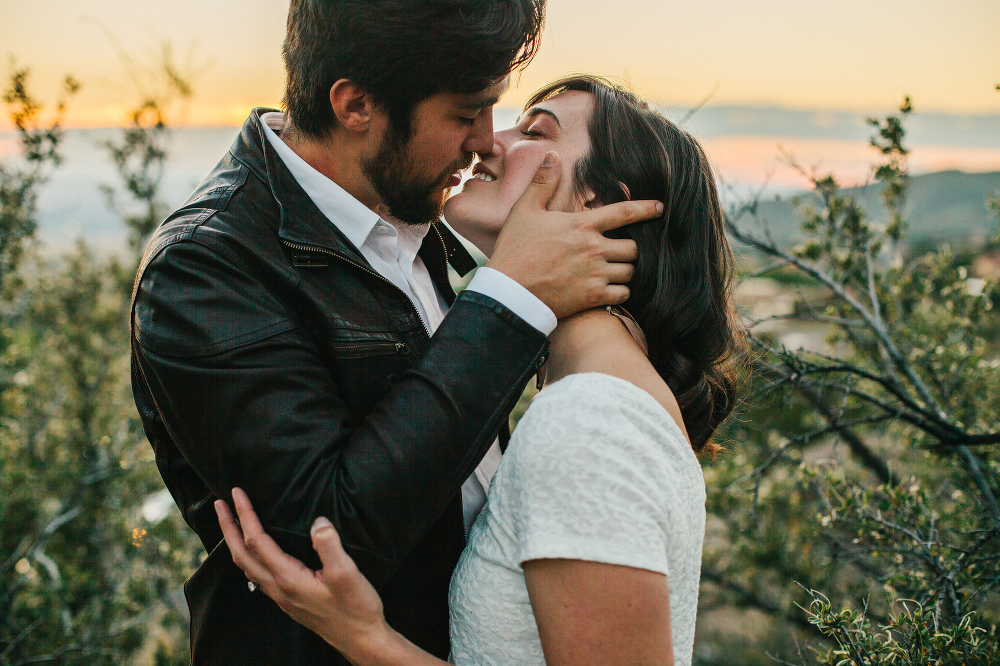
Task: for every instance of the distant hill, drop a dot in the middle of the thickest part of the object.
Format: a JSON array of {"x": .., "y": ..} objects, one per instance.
[
  {"x": 943, "y": 206},
  {"x": 922, "y": 129}
]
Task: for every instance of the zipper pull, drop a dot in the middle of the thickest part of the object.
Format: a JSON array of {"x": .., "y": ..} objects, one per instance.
[
  {"x": 302, "y": 259},
  {"x": 540, "y": 370}
]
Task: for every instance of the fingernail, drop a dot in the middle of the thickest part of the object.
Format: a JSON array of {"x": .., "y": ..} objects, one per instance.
[
  {"x": 218, "y": 509},
  {"x": 659, "y": 208},
  {"x": 319, "y": 524},
  {"x": 550, "y": 159}
]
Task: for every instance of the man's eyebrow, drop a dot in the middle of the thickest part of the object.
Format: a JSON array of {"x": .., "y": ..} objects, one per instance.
[
  {"x": 536, "y": 111},
  {"x": 480, "y": 104}
]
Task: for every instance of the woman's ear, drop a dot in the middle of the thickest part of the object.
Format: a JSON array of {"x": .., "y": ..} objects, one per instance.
[{"x": 591, "y": 200}]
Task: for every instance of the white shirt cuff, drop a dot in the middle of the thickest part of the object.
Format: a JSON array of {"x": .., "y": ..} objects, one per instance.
[{"x": 509, "y": 293}]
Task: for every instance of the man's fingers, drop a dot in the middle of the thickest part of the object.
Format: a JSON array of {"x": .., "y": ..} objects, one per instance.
[
  {"x": 617, "y": 215},
  {"x": 543, "y": 185},
  {"x": 616, "y": 294},
  {"x": 620, "y": 273},
  {"x": 620, "y": 250}
]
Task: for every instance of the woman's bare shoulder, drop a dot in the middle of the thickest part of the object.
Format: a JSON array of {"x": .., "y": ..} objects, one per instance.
[{"x": 595, "y": 341}]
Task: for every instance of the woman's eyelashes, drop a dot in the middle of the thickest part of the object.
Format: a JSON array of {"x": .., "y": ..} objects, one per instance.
[{"x": 538, "y": 128}]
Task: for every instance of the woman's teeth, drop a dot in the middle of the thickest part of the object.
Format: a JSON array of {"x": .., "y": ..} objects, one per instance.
[{"x": 484, "y": 176}]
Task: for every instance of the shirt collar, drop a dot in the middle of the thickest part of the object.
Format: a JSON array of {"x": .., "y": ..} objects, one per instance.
[{"x": 350, "y": 216}]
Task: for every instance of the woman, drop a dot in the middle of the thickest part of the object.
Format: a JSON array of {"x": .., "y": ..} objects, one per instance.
[{"x": 589, "y": 547}]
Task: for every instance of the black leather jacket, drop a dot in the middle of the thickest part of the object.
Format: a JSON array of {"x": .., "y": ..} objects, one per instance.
[{"x": 267, "y": 354}]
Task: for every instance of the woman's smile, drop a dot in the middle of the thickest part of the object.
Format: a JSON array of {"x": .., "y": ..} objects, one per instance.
[{"x": 559, "y": 124}]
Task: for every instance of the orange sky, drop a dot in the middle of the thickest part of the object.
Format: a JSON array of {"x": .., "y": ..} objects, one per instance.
[{"x": 859, "y": 55}]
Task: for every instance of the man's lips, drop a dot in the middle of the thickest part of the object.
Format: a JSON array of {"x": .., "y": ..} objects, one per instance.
[{"x": 456, "y": 176}]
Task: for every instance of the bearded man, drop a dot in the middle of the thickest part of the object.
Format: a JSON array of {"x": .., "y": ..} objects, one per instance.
[{"x": 294, "y": 331}]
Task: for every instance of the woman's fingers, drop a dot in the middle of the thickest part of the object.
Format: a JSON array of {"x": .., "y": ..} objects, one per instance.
[
  {"x": 257, "y": 554},
  {"x": 233, "y": 535},
  {"x": 337, "y": 602},
  {"x": 326, "y": 542},
  {"x": 339, "y": 569},
  {"x": 346, "y": 584},
  {"x": 266, "y": 553}
]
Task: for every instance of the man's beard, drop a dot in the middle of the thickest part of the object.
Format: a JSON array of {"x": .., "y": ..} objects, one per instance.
[{"x": 410, "y": 199}]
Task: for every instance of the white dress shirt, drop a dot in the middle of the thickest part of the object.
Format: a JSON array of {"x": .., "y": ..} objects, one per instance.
[{"x": 391, "y": 246}]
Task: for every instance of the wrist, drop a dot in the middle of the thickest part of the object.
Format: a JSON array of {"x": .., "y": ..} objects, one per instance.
[{"x": 381, "y": 646}]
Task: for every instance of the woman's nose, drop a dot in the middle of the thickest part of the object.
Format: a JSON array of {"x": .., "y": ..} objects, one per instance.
[{"x": 501, "y": 141}]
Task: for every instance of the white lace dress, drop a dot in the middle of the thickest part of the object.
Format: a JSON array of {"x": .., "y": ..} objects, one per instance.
[{"x": 596, "y": 470}]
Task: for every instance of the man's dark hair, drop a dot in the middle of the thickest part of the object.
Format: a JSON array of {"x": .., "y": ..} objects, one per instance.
[{"x": 401, "y": 52}]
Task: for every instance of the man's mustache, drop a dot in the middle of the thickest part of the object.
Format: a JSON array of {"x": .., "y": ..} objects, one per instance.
[{"x": 456, "y": 166}]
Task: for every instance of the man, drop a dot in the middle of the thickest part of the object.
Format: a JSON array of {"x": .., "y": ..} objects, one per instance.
[{"x": 282, "y": 317}]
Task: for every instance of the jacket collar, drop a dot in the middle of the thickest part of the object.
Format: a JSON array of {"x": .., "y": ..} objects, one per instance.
[{"x": 301, "y": 220}]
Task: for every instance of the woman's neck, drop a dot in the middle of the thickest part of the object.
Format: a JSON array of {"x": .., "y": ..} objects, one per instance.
[{"x": 596, "y": 341}]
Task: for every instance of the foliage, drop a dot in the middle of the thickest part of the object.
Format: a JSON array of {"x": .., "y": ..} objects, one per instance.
[
  {"x": 866, "y": 467},
  {"x": 88, "y": 575},
  {"x": 909, "y": 637},
  {"x": 141, "y": 153},
  {"x": 19, "y": 183},
  {"x": 863, "y": 466}
]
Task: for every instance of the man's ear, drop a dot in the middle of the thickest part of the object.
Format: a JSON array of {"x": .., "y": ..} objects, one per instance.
[{"x": 352, "y": 105}]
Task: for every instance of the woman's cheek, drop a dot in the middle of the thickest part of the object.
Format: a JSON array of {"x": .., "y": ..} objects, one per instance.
[{"x": 520, "y": 165}]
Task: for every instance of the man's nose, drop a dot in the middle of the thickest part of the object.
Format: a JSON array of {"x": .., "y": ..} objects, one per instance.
[
  {"x": 480, "y": 140},
  {"x": 494, "y": 150},
  {"x": 501, "y": 141}
]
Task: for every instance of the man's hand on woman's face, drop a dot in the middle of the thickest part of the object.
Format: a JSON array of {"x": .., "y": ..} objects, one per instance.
[{"x": 564, "y": 258}]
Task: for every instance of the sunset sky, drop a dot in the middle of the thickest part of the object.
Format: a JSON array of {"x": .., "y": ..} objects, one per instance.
[{"x": 849, "y": 55}]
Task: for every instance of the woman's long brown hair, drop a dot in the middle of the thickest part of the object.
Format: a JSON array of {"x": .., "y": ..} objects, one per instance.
[{"x": 681, "y": 293}]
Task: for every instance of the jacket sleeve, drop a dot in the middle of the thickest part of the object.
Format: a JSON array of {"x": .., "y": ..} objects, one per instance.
[{"x": 244, "y": 395}]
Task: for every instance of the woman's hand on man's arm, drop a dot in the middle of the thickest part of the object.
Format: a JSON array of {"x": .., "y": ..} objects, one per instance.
[
  {"x": 337, "y": 602},
  {"x": 596, "y": 613}
]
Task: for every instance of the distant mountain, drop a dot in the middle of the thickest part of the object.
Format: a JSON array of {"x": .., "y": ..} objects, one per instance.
[
  {"x": 943, "y": 206},
  {"x": 922, "y": 129}
]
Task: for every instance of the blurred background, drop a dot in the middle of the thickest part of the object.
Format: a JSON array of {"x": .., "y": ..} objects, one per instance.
[
  {"x": 767, "y": 80},
  {"x": 853, "y": 516}
]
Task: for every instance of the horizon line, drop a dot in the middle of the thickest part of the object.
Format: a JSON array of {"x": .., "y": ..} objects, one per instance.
[{"x": 8, "y": 127}]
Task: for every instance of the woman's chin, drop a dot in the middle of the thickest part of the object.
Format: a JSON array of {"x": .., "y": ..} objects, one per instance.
[{"x": 476, "y": 221}]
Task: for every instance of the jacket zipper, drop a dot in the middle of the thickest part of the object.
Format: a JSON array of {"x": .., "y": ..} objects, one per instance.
[
  {"x": 365, "y": 347},
  {"x": 316, "y": 248}
]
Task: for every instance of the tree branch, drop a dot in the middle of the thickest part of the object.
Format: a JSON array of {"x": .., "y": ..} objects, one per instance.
[{"x": 749, "y": 598}]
